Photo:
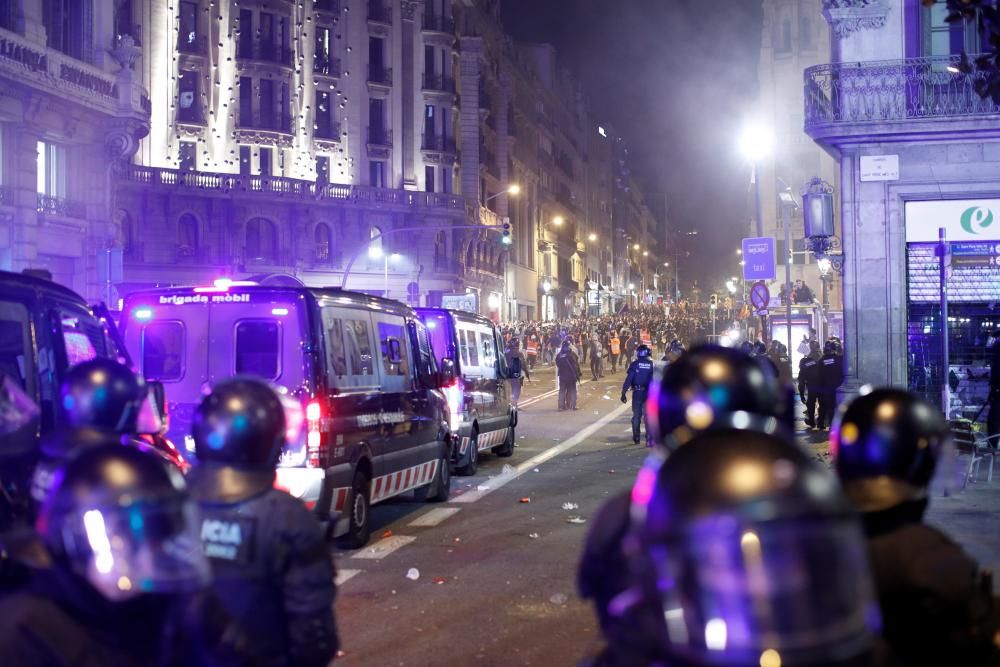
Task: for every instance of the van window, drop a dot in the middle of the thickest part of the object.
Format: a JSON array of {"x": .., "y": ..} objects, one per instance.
[
  {"x": 426, "y": 364},
  {"x": 258, "y": 348},
  {"x": 486, "y": 343},
  {"x": 82, "y": 338},
  {"x": 470, "y": 350},
  {"x": 348, "y": 348},
  {"x": 395, "y": 348},
  {"x": 163, "y": 351},
  {"x": 16, "y": 358}
]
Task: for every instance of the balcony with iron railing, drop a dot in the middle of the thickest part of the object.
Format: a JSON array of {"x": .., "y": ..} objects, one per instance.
[
  {"x": 379, "y": 75},
  {"x": 331, "y": 6},
  {"x": 266, "y": 52},
  {"x": 196, "y": 183},
  {"x": 379, "y": 136},
  {"x": 437, "y": 23},
  {"x": 438, "y": 83},
  {"x": 273, "y": 122},
  {"x": 911, "y": 96},
  {"x": 192, "y": 44},
  {"x": 438, "y": 143},
  {"x": 60, "y": 207},
  {"x": 325, "y": 65}
]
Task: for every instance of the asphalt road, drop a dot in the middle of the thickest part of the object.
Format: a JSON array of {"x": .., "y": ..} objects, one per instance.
[{"x": 497, "y": 563}]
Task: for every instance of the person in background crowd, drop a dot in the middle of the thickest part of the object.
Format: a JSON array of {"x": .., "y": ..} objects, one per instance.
[
  {"x": 809, "y": 382},
  {"x": 831, "y": 376},
  {"x": 614, "y": 350},
  {"x": 596, "y": 358},
  {"x": 532, "y": 350},
  {"x": 640, "y": 375},
  {"x": 568, "y": 371},
  {"x": 517, "y": 368}
]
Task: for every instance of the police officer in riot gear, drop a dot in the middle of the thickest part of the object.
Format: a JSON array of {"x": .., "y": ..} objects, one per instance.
[
  {"x": 830, "y": 376},
  {"x": 720, "y": 382},
  {"x": 716, "y": 532},
  {"x": 272, "y": 569},
  {"x": 936, "y": 603},
  {"x": 640, "y": 374},
  {"x": 99, "y": 400},
  {"x": 809, "y": 382},
  {"x": 119, "y": 577}
]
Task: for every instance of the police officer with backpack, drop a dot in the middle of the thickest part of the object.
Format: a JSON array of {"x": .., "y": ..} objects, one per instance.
[
  {"x": 640, "y": 374},
  {"x": 271, "y": 565},
  {"x": 937, "y": 604},
  {"x": 517, "y": 367}
]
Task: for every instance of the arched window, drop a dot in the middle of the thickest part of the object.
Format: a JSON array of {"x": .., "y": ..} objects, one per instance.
[
  {"x": 376, "y": 246},
  {"x": 187, "y": 235},
  {"x": 470, "y": 256},
  {"x": 262, "y": 241},
  {"x": 440, "y": 249},
  {"x": 323, "y": 242}
]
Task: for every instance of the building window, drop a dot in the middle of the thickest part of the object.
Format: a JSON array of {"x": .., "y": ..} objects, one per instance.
[
  {"x": 246, "y": 161},
  {"x": 940, "y": 38},
  {"x": 440, "y": 249},
  {"x": 376, "y": 244},
  {"x": 188, "y": 156},
  {"x": 324, "y": 127},
  {"x": 69, "y": 26},
  {"x": 783, "y": 37},
  {"x": 187, "y": 38},
  {"x": 430, "y": 131},
  {"x": 376, "y": 122},
  {"x": 261, "y": 241},
  {"x": 446, "y": 185},
  {"x": 51, "y": 170},
  {"x": 8, "y": 15},
  {"x": 187, "y": 235},
  {"x": 188, "y": 102},
  {"x": 268, "y": 104},
  {"x": 429, "y": 178},
  {"x": 323, "y": 242},
  {"x": 266, "y": 163},
  {"x": 806, "y": 42},
  {"x": 246, "y": 101},
  {"x": 376, "y": 173},
  {"x": 322, "y": 60},
  {"x": 322, "y": 169}
]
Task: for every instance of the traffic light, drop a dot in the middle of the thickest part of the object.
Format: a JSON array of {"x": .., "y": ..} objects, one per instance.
[
  {"x": 713, "y": 301},
  {"x": 506, "y": 232}
]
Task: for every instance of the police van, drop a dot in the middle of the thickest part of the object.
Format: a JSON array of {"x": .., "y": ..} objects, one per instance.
[
  {"x": 373, "y": 418},
  {"x": 480, "y": 413}
]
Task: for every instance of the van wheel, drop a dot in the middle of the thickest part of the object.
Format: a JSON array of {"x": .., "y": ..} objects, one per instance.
[
  {"x": 439, "y": 490},
  {"x": 358, "y": 526},
  {"x": 507, "y": 448},
  {"x": 472, "y": 465}
]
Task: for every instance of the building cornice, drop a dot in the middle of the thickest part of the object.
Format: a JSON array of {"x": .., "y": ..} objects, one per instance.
[{"x": 849, "y": 16}]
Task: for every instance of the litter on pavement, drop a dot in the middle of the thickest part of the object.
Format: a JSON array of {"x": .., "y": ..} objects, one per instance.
[
  {"x": 533, "y": 536},
  {"x": 525, "y": 500},
  {"x": 576, "y": 519},
  {"x": 559, "y": 598},
  {"x": 570, "y": 506},
  {"x": 413, "y": 574}
]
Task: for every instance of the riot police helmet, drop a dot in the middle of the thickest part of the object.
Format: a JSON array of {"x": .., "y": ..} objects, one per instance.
[
  {"x": 830, "y": 347},
  {"x": 122, "y": 520},
  {"x": 886, "y": 446},
  {"x": 102, "y": 394},
  {"x": 711, "y": 385},
  {"x": 642, "y": 351},
  {"x": 742, "y": 551},
  {"x": 241, "y": 423}
]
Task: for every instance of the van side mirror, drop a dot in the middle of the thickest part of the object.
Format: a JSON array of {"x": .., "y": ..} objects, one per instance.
[{"x": 446, "y": 374}]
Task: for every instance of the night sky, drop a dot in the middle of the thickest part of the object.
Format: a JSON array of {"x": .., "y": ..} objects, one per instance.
[{"x": 675, "y": 77}]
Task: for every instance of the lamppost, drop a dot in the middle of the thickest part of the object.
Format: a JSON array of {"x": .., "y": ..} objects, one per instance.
[
  {"x": 375, "y": 252},
  {"x": 756, "y": 143},
  {"x": 787, "y": 206},
  {"x": 817, "y": 205},
  {"x": 513, "y": 190}
]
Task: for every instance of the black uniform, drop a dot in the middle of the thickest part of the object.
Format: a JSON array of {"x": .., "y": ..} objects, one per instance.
[
  {"x": 640, "y": 374},
  {"x": 936, "y": 606},
  {"x": 831, "y": 376},
  {"x": 271, "y": 566},
  {"x": 272, "y": 570},
  {"x": 809, "y": 386},
  {"x": 603, "y": 572}
]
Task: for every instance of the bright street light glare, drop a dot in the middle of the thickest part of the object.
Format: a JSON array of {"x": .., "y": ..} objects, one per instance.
[
  {"x": 739, "y": 251},
  {"x": 514, "y": 189},
  {"x": 375, "y": 252},
  {"x": 558, "y": 220},
  {"x": 645, "y": 253},
  {"x": 666, "y": 264},
  {"x": 756, "y": 142},
  {"x": 395, "y": 257},
  {"x": 592, "y": 237},
  {"x": 631, "y": 285},
  {"x": 635, "y": 247}
]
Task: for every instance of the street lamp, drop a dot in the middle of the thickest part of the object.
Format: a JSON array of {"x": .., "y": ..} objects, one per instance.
[
  {"x": 558, "y": 220},
  {"x": 756, "y": 144},
  {"x": 513, "y": 189},
  {"x": 376, "y": 252},
  {"x": 645, "y": 253},
  {"x": 592, "y": 238},
  {"x": 635, "y": 247}
]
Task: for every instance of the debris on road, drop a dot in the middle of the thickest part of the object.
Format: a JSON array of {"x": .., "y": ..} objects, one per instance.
[
  {"x": 507, "y": 469},
  {"x": 386, "y": 534},
  {"x": 533, "y": 536},
  {"x": 483, "y": 487},
  {"x": 559, "y": 598},
  {"x": 440, "y": 580},
  {"x": 525, "y": 500},
  {"x": 576, "y": 519},
  {"x": 413, "y": 574},
  {"x": 570, "y": 506}
]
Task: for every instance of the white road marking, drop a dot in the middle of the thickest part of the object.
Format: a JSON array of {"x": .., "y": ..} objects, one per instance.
[
  {"x": 491, "y": 485},
  {"x": 384, "y": 547},
  {"x": 551, "y": 392},
  {"x": 344, "y": 575},
  {"x": 434, "y": 517}
]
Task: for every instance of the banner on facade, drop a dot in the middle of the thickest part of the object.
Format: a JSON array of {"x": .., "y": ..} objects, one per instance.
[{"x": 963, "y": 220}]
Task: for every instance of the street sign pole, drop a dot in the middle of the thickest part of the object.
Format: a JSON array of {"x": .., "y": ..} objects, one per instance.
[{"x": 943, "y": 266}]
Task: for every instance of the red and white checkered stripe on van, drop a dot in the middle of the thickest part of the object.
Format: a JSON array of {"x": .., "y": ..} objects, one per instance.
[
  {"x": 492, "y": 439},
  {"x": 393, "y": 484}
]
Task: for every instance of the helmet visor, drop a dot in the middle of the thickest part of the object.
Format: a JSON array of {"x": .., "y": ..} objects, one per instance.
[
  {"x": 139, "y": 548},
  {"x": 796, "y": 590}
]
